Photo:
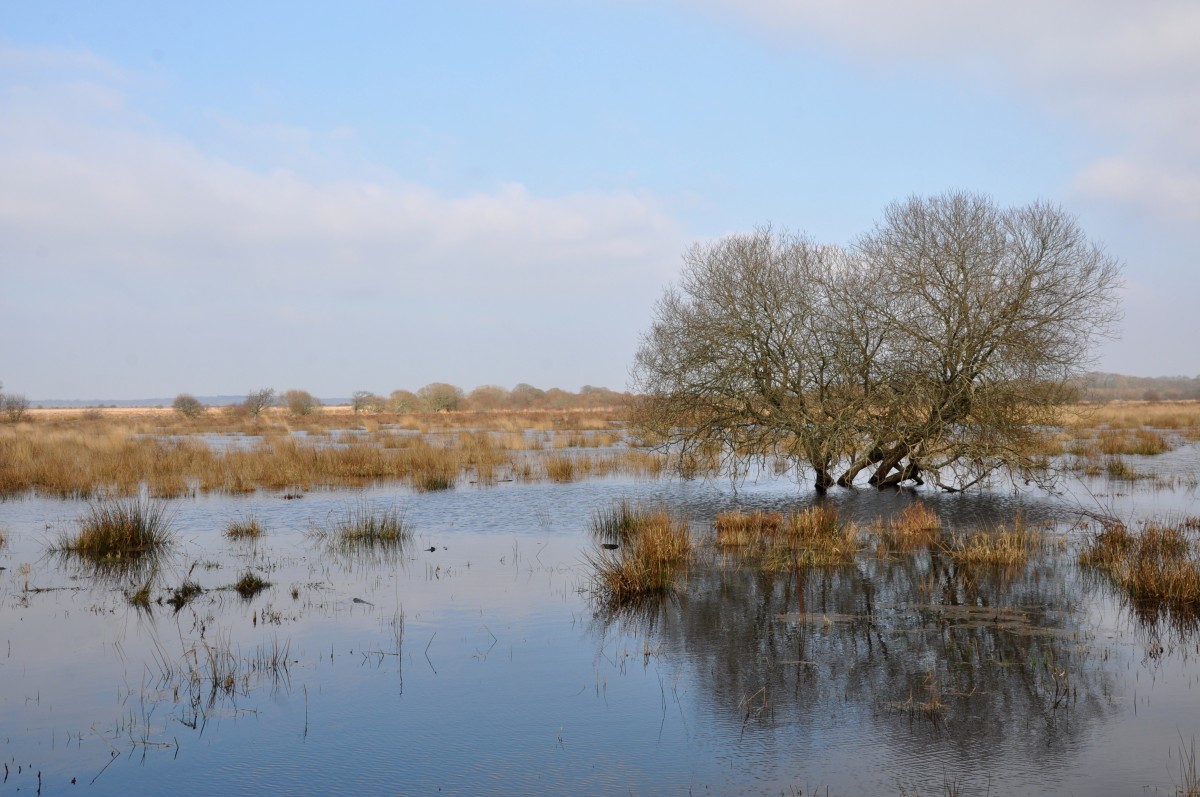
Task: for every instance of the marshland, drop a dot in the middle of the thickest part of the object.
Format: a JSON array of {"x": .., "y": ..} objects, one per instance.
[{"x": 537, "y": 602}]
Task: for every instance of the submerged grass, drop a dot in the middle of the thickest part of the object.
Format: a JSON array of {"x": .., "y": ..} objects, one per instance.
[
  {"x": 245, "y": 529},
  {"x": 366, "y": 526},
  {"x": 250, "y": 584},
  {"x": 1157, "y": 569},
  {"x": 653, "y": 547},
  {"x": 812, "y": 537},
  {"x": 120, "y": 529},
  {"x": 1002, "y": 547}
]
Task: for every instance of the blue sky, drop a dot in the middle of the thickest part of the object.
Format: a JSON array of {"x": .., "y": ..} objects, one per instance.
[{"x": 217, "y": 198}]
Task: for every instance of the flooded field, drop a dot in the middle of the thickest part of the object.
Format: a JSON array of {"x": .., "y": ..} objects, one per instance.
[{"x": 473, "y": 653}]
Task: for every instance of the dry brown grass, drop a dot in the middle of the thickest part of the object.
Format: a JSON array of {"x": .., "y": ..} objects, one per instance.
[
  {"x": 1180, "y": 416},
  {"x": 94, "y": 453},
  {"x": 1157, "y": 569},
  {"x": 915, "y": 527},
  {"x": 244, "y": 529},
  {"x": 812, "y": 537},
  {"x": 1002, "y": 547},
  {"x": 654, "y": 546}
]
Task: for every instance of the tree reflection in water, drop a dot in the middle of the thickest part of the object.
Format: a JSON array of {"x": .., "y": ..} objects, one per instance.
[{"x": 926, "y": 656}]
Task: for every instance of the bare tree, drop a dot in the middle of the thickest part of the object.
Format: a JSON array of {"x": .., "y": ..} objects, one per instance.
[
  {"x": 258, "y": 400},
  {"x": 933, "y": 347},
  {"x": 14, "y": 405}
]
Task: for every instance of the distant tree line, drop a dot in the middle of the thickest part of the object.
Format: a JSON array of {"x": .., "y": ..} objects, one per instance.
[
  {"x": 434, "y": 397},
  {"x": 1102, "y": 387}
]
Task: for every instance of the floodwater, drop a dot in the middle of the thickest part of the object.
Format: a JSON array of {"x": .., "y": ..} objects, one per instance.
[{"x": 475, "y": 660}]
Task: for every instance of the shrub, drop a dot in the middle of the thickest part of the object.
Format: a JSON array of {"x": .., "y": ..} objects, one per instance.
[
  {"x": 188, "y": 406},
  {"x": 301, "y": 402}
]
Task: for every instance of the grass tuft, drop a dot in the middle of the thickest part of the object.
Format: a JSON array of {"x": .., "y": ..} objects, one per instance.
[
  {"x": 1157, "y": 569},
  {"x": 812, "y": 537},
  {"x": 117, "y": 529},
  {"x": 1002, "y": 547},
  {"x": 248, "y": 529},
  {"x": 654, "y": 545},
  {"x": 250, "y": 584},
  {"x": 366, "y": 526},
  {"x": 915, "y": 527}
]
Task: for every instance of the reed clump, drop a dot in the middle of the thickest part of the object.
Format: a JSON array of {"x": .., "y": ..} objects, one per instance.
[
  {"x": 367, "y": 526},
  {"x": 1145, "y": 442},
  {"x": 184, "y": 594},
  {"x": 812, "y": 537},
  {"x": 249, "y": 528},
  {"x": 120, "y": 529},
  {"x": 913, "y": 528},
  {"x": 1157, "y": 569},
  {"x": 654, "y": 546},
  {"x": 741, "y": 529},
  {"x": 250, "y": 584},
  {"x": 1002, "y": 547}
]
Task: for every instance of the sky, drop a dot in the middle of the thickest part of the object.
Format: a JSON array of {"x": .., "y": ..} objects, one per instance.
[{"x": 214, "y": 198}]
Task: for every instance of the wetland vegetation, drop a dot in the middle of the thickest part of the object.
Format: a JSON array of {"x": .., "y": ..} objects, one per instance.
[{"x": 221, "y": 598}]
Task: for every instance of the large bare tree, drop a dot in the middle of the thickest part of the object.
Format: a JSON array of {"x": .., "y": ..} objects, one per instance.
[{"x": 933, "y": 348}]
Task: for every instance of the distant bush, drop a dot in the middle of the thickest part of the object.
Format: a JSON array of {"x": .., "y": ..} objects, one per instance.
[
  {"x": 188, "y": 406},
  {"x": 366, "y": 401},
  {"x": 439, "y": 396},
  {"x": 403, "y": 401},
  {"x": 301, "y": 402}
]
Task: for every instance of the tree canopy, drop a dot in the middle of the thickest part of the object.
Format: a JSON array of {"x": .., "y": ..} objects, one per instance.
[{"x": 934, "y": 347}]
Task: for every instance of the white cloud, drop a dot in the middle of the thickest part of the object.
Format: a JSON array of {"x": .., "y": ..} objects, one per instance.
[
  {"x": 1127, "y": 72},
  {"x": 111, "y": 226}
]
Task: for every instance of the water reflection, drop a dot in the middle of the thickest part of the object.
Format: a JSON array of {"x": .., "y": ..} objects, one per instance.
[{"x": 933, "y": 655}]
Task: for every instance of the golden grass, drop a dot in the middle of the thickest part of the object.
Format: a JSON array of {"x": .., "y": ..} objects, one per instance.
[
  {"x": 654, "y": 545},
  {"x": 1181, "y": 416},
  {"x": 244, "y": 529},
  {"x": 125, "y": 454},
  {"x": 812, "y": 537},
  {"x": 1157, "y": 569},
  {"x": 915, "y": 527},
  {"x": 1003, "y": 547}
]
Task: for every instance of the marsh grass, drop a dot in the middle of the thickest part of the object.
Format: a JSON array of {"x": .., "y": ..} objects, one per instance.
[
  {"x": 184, "y": 594},
  {"x": 169, "y": 456},
  {"x": 742, "y": 529},
  {"x": 244, "y": 529},
  {"x": 140, "y": 598},
  {"x": 561, "y": 468},
  {"x": 365, "y": 526},
  {"x": 812, "y": 537},
  {"x": 1145, "y": 442},
  {"x": 250, "y": 584},
  {"x": 617, "y": 523},
  {"x": 1157, "y": 569},
  {"x": 654, "y": 547},
  {"x": 914, "y": 528},
  {"x": 115, "y": 530},
  {"x": 1001, "y": 547}
]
